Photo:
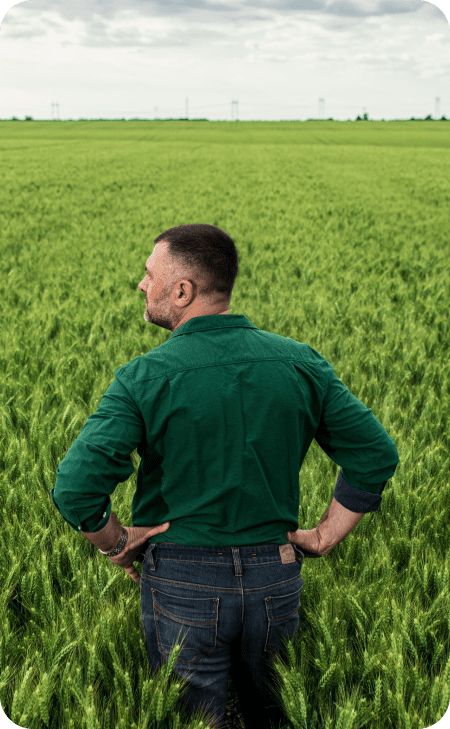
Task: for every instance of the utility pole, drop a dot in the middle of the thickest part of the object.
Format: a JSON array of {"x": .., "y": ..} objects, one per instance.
[
  {"x": 321, "y": 108},
  {"x": 437, "y": 108},
  {"x": 187, "y": 111},
  {"x": 237, "y": 112}
]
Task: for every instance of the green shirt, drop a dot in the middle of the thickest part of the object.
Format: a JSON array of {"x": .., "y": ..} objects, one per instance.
[{"x": 222, "y": 415}]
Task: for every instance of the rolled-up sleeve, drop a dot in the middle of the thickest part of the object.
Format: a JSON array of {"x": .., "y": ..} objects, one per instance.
[
  {"x": 99, "y": 459},
  {"x": 352, "y": 437}
]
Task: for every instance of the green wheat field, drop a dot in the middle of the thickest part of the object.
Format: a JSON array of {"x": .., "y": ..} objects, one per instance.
[{"x": 342, "y": 229}]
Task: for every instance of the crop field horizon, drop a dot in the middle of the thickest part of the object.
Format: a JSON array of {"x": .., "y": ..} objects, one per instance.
[{"x": 342, "y": 230}]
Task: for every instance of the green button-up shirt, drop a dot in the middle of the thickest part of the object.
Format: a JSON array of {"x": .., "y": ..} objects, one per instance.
[{"x": 222, "y": 415}]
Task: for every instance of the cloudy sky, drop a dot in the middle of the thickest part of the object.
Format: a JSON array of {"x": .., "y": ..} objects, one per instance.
[{"x": 276, "y": 59}]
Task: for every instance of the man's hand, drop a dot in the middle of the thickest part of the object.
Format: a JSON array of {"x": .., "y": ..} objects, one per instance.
[
  {"x": 108, "y": 537},
  {"x": 136, "y": 538},
  {"x": 336, "y": 523},
  {"x": 307, "y": 540}
]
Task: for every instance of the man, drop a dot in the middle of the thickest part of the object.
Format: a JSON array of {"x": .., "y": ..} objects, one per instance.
[{"x": 222, "y": 415}]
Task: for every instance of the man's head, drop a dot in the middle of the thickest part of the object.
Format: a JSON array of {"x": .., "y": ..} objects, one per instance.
[{"x": 191, "y": 272}]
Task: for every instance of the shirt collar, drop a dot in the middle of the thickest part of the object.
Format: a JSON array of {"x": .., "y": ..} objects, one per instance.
[{"x": 212, "y": 321}]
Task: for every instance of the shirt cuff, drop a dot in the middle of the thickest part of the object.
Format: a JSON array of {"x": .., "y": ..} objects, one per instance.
[
  {"x": 355, "y": 499},
  {"x": 92, "y": 525}
]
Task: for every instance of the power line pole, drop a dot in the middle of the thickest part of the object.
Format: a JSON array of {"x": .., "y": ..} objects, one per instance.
[
  {"x": 232, "y": 107},
  {"x": 187, "y": 111},
  {"x": 437, "y": 108},
  {"x": 321, "y": 108}
]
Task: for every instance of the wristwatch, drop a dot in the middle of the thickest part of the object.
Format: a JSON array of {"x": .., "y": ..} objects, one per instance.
[{"x": 120, "y": 546}]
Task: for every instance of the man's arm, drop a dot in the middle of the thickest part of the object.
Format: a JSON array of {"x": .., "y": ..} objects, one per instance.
[
  {"x": 336, "y": 523},
  {"x": 108, "y": 537}
]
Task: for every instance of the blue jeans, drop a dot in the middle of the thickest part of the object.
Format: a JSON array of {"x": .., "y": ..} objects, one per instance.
[{"x": 233, "y": 604}]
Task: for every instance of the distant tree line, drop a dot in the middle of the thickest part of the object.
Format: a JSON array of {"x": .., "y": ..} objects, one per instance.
[{"x": 358, "y": 118}]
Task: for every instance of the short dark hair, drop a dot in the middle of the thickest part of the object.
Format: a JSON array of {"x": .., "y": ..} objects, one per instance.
[{"x": 208, "y": 252}]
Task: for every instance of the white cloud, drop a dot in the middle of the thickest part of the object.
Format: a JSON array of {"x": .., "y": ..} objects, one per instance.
[{"x": 100, "y": 59}]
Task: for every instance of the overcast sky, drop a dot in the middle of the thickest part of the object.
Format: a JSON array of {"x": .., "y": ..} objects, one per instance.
[{"x": 144, "y": 58}]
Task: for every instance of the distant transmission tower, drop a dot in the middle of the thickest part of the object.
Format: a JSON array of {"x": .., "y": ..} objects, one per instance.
[
  {"x": 187, "y": 110},
  {"x": 437, "y": 108},
  {"x": 232, "y": 107},
  {"x": 55, "y": 110},
  {"x": 321, "y": 108}
]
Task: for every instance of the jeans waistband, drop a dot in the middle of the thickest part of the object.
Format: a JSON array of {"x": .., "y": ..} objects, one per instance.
[{"x": 287, "y": 552}]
